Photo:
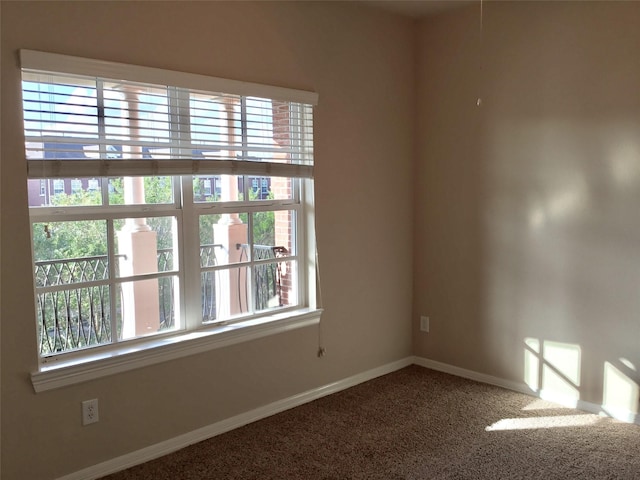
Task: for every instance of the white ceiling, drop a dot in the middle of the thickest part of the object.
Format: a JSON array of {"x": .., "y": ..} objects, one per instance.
[{"x": 418, "y": 8}]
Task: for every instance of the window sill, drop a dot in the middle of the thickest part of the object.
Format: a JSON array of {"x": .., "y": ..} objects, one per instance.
[{"x": 128, "y": 357}]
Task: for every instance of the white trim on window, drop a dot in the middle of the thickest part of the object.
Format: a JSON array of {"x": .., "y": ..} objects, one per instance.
[
  {"x": 132, "y": 355},
  {"x": 71, "y": 148},
  {"x": 53, "y": 62}
]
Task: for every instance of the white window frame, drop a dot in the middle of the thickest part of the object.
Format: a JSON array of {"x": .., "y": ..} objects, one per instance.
[
  {"x": 74, "y": 367},
  {"x": 76, "y": 185},
  {"x": 93, "y": 184},
  {"x": 58, "y": 186}
]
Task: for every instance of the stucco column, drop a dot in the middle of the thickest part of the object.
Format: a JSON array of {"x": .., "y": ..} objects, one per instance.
[
  {"x": 140, "y": 302},
  {"x": 232, "y": 234},
  {"x": 231, "y": 284},
  {"x": 137, "y": 247},
  {"x": 229, "y": 183}
]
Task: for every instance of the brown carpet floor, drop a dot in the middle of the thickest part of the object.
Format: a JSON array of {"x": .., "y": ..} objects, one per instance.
[{"x": 413, "y": 424}]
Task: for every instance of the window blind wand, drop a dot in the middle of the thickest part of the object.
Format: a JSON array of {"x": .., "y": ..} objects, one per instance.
[{"x": 479, "y": 99}]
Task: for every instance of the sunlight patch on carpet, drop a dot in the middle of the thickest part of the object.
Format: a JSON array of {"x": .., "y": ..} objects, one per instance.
[
  {"x": 543, "y": 422},
  {"x": 540, "y": 404}
]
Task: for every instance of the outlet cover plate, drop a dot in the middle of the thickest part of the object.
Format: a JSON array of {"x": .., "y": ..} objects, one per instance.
[
  {"x": 90, "y": 412},
  {"x": 424, "y": 323}
]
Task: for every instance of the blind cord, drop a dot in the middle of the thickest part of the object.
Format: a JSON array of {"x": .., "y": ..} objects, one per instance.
[
  {"x": 479, "y": 100},
  {"x": 319, "y": 302},
  {"x": 321, "y": 350}
]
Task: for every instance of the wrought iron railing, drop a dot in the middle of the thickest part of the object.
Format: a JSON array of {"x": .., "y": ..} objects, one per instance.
[
  {"x": 74, "y": 300},
  {"x": 166, "y": 290},
  {"x": 208, "y": 282},
  {"x": 264, "y": 278},
  {"x": 72, "y": 318}
]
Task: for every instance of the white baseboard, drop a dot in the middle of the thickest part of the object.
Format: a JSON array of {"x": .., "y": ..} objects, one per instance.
[
  {"x": 622, "y": 415},
  {"x": 471, "y": 375},
  {"x": 181, "y": 441}
]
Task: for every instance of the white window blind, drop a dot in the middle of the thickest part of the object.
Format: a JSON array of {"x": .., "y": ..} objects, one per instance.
[{"x": 87, "y": 122}]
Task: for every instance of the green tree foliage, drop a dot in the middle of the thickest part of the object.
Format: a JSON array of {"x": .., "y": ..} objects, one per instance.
[
  {"x": 264, "y": 228},
  {"x": 264, "y": 232},
  {"x": 59, "y": 240},
  {"x": 63, "y": 240}
]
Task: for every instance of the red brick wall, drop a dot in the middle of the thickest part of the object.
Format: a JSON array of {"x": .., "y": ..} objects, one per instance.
[{"x": 281, "y": 188}]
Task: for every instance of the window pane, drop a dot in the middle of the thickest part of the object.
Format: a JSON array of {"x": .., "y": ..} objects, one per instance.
[
  {"x": 64, "y": 192},
  {"x": 231, "y": 188},
  {"x": 270, "y": 188},
  {"x": 274, "y": 229},
  {"x": 146, "y": 307},
  {"x": 168, "y": 299},
  {"x": 207, "y": 245},
  {"x": 219, "y": 188},
  {"x": 136, "y": 115},
  {"x": 259, "y": 125},
  {"x": 206, "y": 188},
  {"x": 274, "y": 285},
  {"x": 140, "y": 190},
  {"x": 215, "y": 124},
  {"x": 145, "y": 245},
  {"x": 69, "y": 242},
  {"x": 209, "y": 299},
  {"x": 265, "y": 294},
  {"x": 224, "y": 293},
  {"x": 71, "y": 313},
  {"x": 73, "y": 318},
  {"x": 59, "y": 106},
  {"x": 223, "y": 239}
]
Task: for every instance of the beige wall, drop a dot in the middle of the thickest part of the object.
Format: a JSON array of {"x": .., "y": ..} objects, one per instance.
[
  {"x": 527, "y": 223},
  {"x": 361, "y": 64},
  {"x": 525, "y": 226}
]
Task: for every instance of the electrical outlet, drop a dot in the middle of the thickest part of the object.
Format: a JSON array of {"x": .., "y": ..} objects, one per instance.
[
  {"x": 90, "y": 411},
  {"x": 424, "y": 323}
]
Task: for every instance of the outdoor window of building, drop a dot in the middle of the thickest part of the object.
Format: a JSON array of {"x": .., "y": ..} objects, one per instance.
[
  {"x": 76, "y": 186},
  {"x": 162, "y": 231},
  {"x": 58, "y": 186},
  {"x": 207, "y": 187},
  {"x": 93, "y": 185}
]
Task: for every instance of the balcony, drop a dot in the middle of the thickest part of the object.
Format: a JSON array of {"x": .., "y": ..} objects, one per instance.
[{"x": 74, "y": 303}]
